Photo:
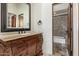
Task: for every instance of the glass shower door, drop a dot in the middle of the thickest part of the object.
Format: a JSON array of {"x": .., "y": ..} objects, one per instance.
[{"x": 60, "y": 29}]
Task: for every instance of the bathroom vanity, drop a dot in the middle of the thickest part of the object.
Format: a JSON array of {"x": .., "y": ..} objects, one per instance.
[
  {"x": 28, "y": 44},
  {"x": 22, "y": 44}
]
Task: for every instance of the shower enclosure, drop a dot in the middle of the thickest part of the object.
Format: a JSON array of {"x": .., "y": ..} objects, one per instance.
[{"x": 60, "y": 29}]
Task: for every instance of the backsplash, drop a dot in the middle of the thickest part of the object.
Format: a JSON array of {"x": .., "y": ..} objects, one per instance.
[{"x": 60, "y": 25}]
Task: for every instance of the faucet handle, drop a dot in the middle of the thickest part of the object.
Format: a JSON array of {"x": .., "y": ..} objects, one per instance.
[
  {"x": 24, "y": 31},
  {"x": 19, "y": 32}
]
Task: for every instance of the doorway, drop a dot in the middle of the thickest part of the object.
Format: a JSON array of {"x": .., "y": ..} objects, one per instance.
[{"x": 62, "y": 29}]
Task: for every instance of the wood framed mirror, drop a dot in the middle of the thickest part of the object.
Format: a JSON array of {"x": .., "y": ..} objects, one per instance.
[{"x": 15, "y": 17}]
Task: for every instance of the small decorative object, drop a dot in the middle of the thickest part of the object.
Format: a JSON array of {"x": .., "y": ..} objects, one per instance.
[{"x": 39, "y": 22}]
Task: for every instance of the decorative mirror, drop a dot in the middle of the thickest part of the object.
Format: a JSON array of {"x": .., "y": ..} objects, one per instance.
[{"x": 15, "y": 17}]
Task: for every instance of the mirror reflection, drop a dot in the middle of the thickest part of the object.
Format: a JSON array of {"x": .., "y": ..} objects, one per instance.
[{"x": 17, "y": 15}]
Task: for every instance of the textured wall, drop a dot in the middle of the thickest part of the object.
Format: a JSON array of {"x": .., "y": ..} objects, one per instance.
[
  {"x": 43, "y": 12},
  {"x": 60, "y": 25}
]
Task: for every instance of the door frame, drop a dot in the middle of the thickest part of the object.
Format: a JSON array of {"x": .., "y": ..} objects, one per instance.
[{"x": 70, "y": 18}]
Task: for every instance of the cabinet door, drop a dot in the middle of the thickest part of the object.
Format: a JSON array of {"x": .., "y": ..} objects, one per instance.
[
  {"x": 18, "y": 48},
  {"x": 8, "y": 51},
  {"x": 39, "y": 45},
  {"x": 1, "y": 50},
  {"x": 32, "y": 46}
]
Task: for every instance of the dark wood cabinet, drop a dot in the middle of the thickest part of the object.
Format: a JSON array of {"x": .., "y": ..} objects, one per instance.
[{"x": 25, "y": 46}]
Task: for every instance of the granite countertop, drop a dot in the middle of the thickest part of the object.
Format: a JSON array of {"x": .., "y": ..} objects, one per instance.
[{"x": 13, "y": 36}]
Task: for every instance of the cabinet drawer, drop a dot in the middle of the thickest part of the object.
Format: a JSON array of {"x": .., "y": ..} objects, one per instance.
[{"x": 18, "y": 47}]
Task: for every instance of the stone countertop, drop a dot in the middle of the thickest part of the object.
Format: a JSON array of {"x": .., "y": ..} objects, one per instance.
[{"x": 13, "y": 36}]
